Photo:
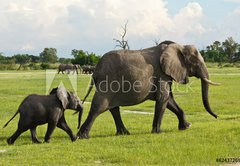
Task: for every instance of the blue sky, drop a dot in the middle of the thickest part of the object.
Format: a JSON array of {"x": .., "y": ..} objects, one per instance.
[
  {"x": 215, "y": 9},
  {"x": 90, "y": 25}
]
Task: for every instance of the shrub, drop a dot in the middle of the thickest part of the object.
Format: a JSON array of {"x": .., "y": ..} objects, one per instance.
[
  {"x": 228, "y": 65},
  {"x": 8, "y": 67},
  {"x": 237, "y": 65},
  {"x": 54, "y": 66},
  {"x": 34, "y": 66},
  {"x": 45, "y": 66}
]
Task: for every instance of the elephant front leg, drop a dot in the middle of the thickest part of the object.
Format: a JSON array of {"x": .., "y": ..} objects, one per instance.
[
  {"x": 99, "y": 105},
  {"x": 173, "y": 106},
  {"x": 160, "y": 106},
  {"x": 83, "y": 133},
  {"x": 62, "y": 124}
]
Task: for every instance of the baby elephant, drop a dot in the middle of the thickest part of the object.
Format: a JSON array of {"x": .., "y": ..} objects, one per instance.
[{"x": 40, "y": 109}]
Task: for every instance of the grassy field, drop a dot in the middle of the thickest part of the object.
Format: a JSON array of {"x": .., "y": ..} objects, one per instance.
[{"x": 205, "y": 141}]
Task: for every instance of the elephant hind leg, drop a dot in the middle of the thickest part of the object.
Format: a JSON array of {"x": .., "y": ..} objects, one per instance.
[
  {"x": 17, "y": 133},
  {"x": 160, "y": 106},
  {"x": 100, "y": 104},
  {"x": 34, "y": 135},
  {"x": 51, "y": 126},
  {"x": 121, "y": 130}
]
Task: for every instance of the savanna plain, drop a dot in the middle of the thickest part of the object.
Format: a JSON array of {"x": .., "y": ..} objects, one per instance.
[{"x": 207, "y": 140}]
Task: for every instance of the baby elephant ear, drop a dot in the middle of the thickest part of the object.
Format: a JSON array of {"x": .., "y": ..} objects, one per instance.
[
  {"x": 172, "y": 63},
  {"x": 53, "y": 91},
  {"x": 62, "y": 95}
]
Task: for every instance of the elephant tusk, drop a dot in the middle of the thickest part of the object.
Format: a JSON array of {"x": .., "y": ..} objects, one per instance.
[{"x": 210, "y": 82}]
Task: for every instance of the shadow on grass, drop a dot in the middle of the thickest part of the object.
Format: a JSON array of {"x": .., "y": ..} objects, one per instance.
[
  {"x": 134, "y": 134},
  {"x": 231, "y": 118},
  {"x": 26, "y": 140},
  {"x": 3, "y": 140}
]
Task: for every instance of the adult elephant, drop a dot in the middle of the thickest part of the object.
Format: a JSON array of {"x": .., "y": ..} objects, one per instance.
[
  {"x": 88, "y": 69},
  {"x": 125, "y": 78},
  {"x": 69, "y": 68}
]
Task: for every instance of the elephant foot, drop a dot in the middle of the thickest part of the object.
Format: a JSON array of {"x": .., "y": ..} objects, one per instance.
[
  {"x": 156, "y": 130},
  {"x": 184, "y": 126},
  {"x": 36, "y": 141},
  {"x": 47, "y": 141},
  {"x": 9, "y": 141},
  {"x": 83, "y": 135},
  {"x": 123, "y": 131},
  {"x": 74, "y": 138}
]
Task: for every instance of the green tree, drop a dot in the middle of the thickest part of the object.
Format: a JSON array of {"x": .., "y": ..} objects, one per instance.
[
  {"x": 230, "y": 48},
  {"x": 237, "y": 55},
  {"x": 49, "y": 55},
  {"x": 84, "y": 58},
  {"x": 216, "y": 46},
  {"x": 34, "y": 59},
  {"x": 80, "y": 57},
  {"x": 65, "y": 60},
  {"x": 1, "y": 57},
  {"x": 227, "y": 51},
  {"x": 21, "y": 59},
  {"x": 93, "y": 59}
]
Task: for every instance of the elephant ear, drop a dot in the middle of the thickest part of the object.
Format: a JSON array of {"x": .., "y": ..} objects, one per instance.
[
  {"x": 172, "y": 62},
  {"x": 62, "y": 95},
  {"x": 53, "y": 91}
]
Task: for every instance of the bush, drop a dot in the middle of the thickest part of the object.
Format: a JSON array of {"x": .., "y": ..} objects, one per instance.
[
  {"x": 54, "y": 66},
  {"x": 34, "y": 66},
  {"x": 237, "y": 65},
  {"x": 228, "y": 65},
  {"x": 45, "y": 66},
  {"x": 25, "y": 67},
  {"x": 8, "y": 67},
  {"x": 211, "y": 65}
]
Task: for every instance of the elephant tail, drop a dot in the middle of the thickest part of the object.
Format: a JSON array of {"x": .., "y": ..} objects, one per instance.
[
  {"x": 89, "y": 90},
  {"x": 11, "y": 119}
]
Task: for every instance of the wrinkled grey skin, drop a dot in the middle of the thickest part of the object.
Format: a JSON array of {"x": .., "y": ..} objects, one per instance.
[
  {"x": 40, "y": 109},
  {"x": 69, "y": 68},
  {"x": 155, "y": 68}
]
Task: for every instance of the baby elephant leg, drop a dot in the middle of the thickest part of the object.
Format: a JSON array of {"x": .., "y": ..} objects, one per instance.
[
  {"x": 62, "y": 124},
  {"x": 34, "y": 135},
  {"x": 19, "y": 131},
  {"x": 51, "y": 126}
]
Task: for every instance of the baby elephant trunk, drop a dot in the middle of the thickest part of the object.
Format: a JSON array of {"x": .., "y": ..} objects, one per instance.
[{"x": 80, "y": 110}]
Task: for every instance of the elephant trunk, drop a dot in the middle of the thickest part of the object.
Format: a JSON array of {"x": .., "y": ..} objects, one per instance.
[
  {"x": 79, "y": 119},
  {"x": 205, "y": 82},
  {"x": 205, "y": 100},
  {"x": 80, "y": 111}
]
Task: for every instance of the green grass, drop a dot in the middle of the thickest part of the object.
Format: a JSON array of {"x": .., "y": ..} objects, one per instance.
[{"x": 205, "y": 141}]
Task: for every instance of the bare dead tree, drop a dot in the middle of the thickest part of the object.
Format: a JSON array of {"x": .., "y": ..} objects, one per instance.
[
  {"x": 156, "y": 41},
  {"x": 123, "y": 43}
]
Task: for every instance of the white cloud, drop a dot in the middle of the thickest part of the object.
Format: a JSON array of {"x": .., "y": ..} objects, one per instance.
[
  {"x": 12, "y": 7},
  {"x": 188, "y": 20},
  {"x": 230, "y": 25},
  {"x": 27, "y": 47},
  {"x": 92, "y": 24}
]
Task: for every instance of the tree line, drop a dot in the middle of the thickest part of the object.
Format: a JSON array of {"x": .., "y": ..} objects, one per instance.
[
  {"x": 221, "y": 52},
  {"x": 46, "y": 59},
  {"x": 226, "y": 51}
]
